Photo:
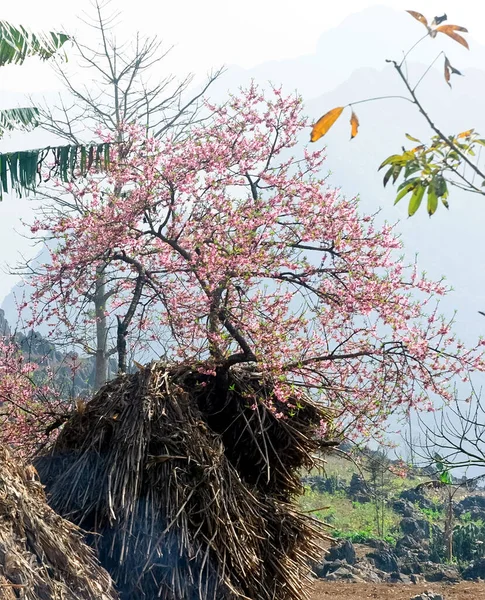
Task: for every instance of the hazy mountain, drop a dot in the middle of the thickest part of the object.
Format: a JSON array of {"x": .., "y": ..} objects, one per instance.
[{"x": 364, "y": 39}]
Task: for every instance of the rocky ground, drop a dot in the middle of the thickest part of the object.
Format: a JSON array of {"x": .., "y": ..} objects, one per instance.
[
  {"x": 464, "y": 590},
  {"x": 417, "y": 556}
]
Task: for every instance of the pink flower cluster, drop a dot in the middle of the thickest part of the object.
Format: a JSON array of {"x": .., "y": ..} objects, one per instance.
[{"x": 27, "y": 408}]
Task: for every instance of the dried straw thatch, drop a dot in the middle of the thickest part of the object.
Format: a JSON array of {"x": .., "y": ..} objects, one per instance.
[
  {"x": 187, "y": 482},
  {"x": 42, "y": 556}
]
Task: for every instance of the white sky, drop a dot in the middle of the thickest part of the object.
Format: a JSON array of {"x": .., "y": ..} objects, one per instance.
[
  {"x": 210, "y": 33},
  {"x": 206, "y": 34}
]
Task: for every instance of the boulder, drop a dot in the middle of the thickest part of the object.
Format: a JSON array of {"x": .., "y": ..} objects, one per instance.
[
  {"x": 433, "y": 572},
  {"x": 384, "y": 560},
  {"x": 344, "y": 574},
  {"x": 476, "y": 570},
  {"x": 475, "y": 505},
  {"x": 418, "y": 529},
  {"x": 358, "y": 489},
  {"x": 398, "y": 578},
  {"x": 428, "y": 596},
  {"x": 326, "y": 567},
  {"x": 404, "y": 508},
  {"x": 344, "y": 550},
  {"x": 405, "y": 545},
  {"x": 470, "y": 502},
  {"x": 416, "y": 496}
]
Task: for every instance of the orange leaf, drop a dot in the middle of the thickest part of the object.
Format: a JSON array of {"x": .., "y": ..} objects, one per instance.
[
  {"x": 354, "y": 125},
  {"x": 465, "y": 134},
  {"x": 324, "y": 123},
  {"x": 421, "y": 18},
  {"x": 450, "y": 30},
  {"x": 445, "y": 28}
]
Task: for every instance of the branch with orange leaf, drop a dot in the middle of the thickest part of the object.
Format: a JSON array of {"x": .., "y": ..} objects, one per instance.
[{"x": 446, "y": 160}]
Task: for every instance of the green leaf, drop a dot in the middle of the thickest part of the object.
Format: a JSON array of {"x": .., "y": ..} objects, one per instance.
[
  {"x": 413, "y": 139},
  {"x": 22, "y": 168},
  {"x": 395, "y": 158},
  {"x": 445, "y": 477},
  {"x": 18, "y": 43},
  {"x": 406, "y": 182},
  {"x": 21, "y": 118},
  {"x": 411, "y": 167},
  {"x": 393, "y": 172},
  {"x": 432, "y": 200},
  {"x": 416, "y": 198},
  {"x": 387, "y": 176},
  {"x": 404, "y": 191},
  {"x": 439, "y": 184}
]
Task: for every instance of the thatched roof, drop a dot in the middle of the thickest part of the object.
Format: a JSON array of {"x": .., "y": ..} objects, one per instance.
[
  {"x": 42, "y": 556},
  {"x": 188, "y": 483}
]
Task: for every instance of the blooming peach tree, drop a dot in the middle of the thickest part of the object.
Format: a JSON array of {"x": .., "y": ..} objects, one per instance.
[
  {"x": 240, "y": 253},
  {"x": 31, "y": 408}
]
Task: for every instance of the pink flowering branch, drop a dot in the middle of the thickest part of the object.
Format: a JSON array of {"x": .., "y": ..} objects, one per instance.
[{"x": 230, "y": 250}]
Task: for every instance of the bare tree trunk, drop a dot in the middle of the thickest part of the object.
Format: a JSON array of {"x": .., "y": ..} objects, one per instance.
[
  {"x": 449, "y": 528},
  {"x": 101, "y": 368}
]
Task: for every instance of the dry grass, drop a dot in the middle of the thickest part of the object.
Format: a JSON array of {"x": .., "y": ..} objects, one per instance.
[{"x": 42, "y": 556}]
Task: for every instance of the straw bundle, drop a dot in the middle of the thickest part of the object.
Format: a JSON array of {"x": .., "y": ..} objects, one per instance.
[
  {"x": 187, "y": 483},
  {"x": 42, "y": 556}
]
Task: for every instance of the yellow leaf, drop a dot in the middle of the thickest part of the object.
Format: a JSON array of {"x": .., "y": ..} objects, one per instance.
[
  {"x": 324, "y": 123},
  {"x": 354, "y": 125},
  {"x": 465, "y": 134},
  {"x": 450, "y": 30},
  {"x": 421, "y": 18}
]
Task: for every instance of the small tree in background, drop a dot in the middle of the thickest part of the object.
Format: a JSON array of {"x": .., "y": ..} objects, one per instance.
[
  {"x": 378, "y": 466},
  {"x": 125, "y": 89}
]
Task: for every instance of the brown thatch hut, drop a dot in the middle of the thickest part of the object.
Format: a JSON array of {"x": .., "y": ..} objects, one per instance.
[
  {"x": 187, "y": 483},
  {"x": 42, "y": 556}
]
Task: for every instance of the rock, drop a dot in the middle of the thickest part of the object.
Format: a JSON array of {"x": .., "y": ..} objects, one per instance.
[
  {"x": 404, "y": 508},
  {"x": 398, "y": 578},
  {"x": 344, "y": 550},
  {"x": 428, "y": 596},
  {"x": 379, "y": 545},
  {"x": 416, "y": 579},
  {"x": 433, "y": 572},
  {"x": 471, "y": 502},
  {"x": 384, "y": 560},
  {"x": 339, "y": 570},
  {"x": 475, "y": 505},
  {"x": 372, "y": 577},
  {"x": 405, "y": 545},
  {"x": 321, "y": 483},
  {"x": 344, "y": 574},
  {"x": 418, "y": 529},
  {"x": 416, "y": 496},
  {"x": 358, "y": 489},
  {"x": 475, "y": 571}
]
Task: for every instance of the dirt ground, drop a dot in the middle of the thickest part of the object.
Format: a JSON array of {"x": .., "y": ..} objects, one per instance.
[{"x": 330, "y": 590}]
